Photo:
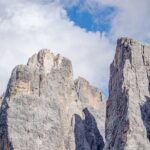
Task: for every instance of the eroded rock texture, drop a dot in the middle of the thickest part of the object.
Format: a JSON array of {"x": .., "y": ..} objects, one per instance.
[
  {"x": 128, "y": 108},
  {"x": 40, "y": 104}
]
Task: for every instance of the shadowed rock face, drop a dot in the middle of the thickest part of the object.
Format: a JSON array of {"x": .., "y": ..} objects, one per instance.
[
  {"x": 39, "y": 104},
  {"x": 87, "y": 135},
  {"x": 145, "y": 112},
  {"x": 5, "y": 144},
  {"x": 127, "y": 114}
]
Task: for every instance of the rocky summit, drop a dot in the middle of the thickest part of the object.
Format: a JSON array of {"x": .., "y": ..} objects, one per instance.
[
  {"x": 43, "y": 107},
  {"x": 128, "y": 105}
]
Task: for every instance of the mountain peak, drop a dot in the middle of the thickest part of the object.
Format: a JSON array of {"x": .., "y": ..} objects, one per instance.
[{"x": 42, "y": 104}]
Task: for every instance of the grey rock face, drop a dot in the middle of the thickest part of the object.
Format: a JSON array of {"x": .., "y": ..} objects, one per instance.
[
  {"x": 89, "y": 95},
  {"x": 40, "y": 104},
  {"x": 128, "y": 111}
]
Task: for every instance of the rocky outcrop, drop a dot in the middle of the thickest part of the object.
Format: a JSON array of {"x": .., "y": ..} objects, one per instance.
[
  {"x": 41, "y": 104},
  {"x": 89, "y": 95},
  {"x": 128, "y": 111},
  {"x": 90, "y": 131},
  {"x": 92, "y": 98}
]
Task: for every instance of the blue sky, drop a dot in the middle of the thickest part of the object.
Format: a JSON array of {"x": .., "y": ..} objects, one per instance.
[
  {"x": 83, "y": 31},
  {"x": 99, "y": 20}
]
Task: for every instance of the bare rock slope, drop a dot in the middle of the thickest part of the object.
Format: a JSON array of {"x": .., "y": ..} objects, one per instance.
[
  {"x": 44, "y": 109},
  {"x": 128, "y": 105}
]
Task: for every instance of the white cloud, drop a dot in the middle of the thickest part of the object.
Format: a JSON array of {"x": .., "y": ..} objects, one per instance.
[
  {"x": 132, "y": 19},
  {"x": 27, "y": 27}
]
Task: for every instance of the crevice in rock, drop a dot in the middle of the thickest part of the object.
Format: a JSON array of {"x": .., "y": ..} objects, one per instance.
[
  {"x": 87, "y": 135},
  {"x": 142, "y": 48},
  {"x": 40, "y": 81}
]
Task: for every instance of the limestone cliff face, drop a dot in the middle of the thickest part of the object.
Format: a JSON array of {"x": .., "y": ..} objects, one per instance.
[
  {"x": 42, "y": 107},
  {"x": 128, "y": 105},
  {"x": 89, "y": 95},
  {"x": 92, "y": 98}
]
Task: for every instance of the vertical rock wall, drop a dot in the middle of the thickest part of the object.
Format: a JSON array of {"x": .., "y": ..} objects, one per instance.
[{"x": 127, "y": 115}]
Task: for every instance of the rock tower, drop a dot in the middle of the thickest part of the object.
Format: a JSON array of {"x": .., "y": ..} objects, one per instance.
[{"x": 128, "y": 105}]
